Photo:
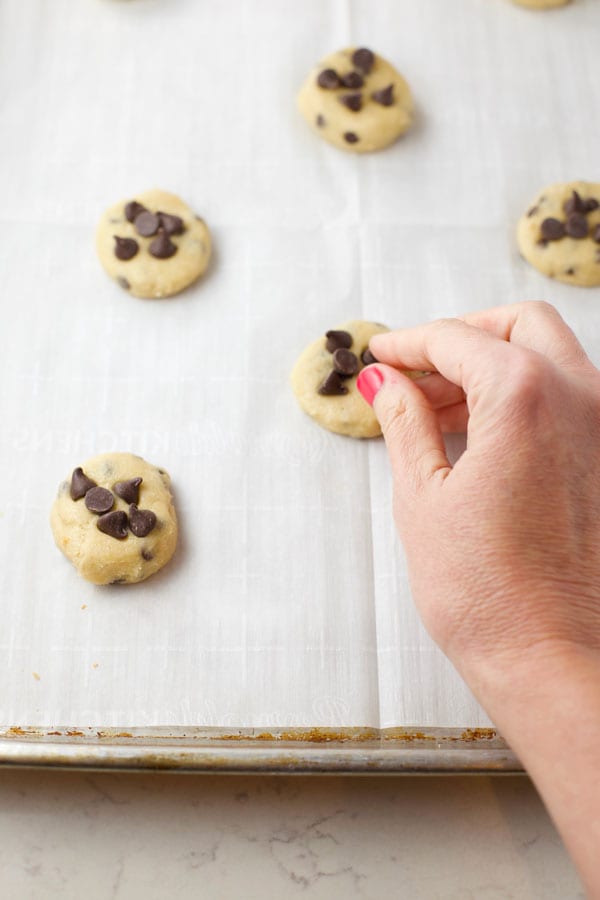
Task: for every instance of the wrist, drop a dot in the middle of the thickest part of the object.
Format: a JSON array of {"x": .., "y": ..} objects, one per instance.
[
  {"x": 535, "y": 683},
  {"x": 547, "y": 707}
]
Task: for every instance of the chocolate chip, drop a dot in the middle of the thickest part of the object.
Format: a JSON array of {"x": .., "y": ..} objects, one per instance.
[
  {"x": 363, "y": 59},
  {"x": 141, "y": 521},
  {"x": 80, "y": 484},
  {"x": 367, "y": 358},
  {"x": 147, "y": 555},
  {"x": 162, "y": 247},
  {"x": 99, "y": 500},
  {"x": 352, "y": 80},
  {"x": 352, "y": 101},
  {"x": 122, "y": 282},
  {"x": 129, "y": 490},
  {"x": 351, "y": 138},
  {"x": 337, "y": 339},
  {"x": 328, "y": 79},
  {"x": 114, "y": 524},
  {"x": 577, "y": 226},
  {"x": 574, "y": 204},
  {"x": 385, "y": 96},
  {"x": 569, "y": 271},
  {"x": 345, "y": 362},
  {"x": 597, "y": 234},
  {"x": 531, "y": 212},
  {"x": 332, "y": 386},
  {"x": 590, "y": 204},
  {"x": 171, "y": 224},
  {"x": 552, "y": 229},
  {"x": 125, "y": 248},
  {"x": 320, "y": 121},
  {"x": 133, "y": 209},
  {"x": 147, "y": 224}
]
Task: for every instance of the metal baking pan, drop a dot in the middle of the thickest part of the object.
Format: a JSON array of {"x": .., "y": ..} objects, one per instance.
[
  {"x": 305, "y": 239},
  {"x": 297, "y": 751}
]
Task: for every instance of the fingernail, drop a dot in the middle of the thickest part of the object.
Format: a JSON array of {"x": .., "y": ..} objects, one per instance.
[{"x": 368, "y": 382}]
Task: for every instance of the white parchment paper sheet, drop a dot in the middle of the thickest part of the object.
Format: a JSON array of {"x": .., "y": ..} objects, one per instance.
[{"x": 287, "y": 602}]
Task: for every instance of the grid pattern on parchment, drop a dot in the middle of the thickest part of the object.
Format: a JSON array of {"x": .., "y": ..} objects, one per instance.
[{"x": 287, "y": 603}]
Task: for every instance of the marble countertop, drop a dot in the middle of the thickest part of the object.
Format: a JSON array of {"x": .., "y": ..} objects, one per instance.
[{"x": 124, "y": 836}]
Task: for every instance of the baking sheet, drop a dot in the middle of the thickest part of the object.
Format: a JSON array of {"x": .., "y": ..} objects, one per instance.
[{"x": 287, "y": 603}]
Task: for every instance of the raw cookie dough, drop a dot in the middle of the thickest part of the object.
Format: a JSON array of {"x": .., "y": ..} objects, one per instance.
[
  {"x": 542, "y": 4},
  {"x": 356, "y": 100},
  {"x": 330, "y": 398},
  {"x": 560, "y": 233},
  {"x": 114, "y": 519},
  {"x": 152, "y": 244}
]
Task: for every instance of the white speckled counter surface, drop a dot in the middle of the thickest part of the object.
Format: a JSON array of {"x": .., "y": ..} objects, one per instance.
[{"x": 126, "y": 837}]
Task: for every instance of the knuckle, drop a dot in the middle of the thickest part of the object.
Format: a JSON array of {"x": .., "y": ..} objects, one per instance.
[
  {"x": 427, "y": 463},
  {"x": 444, "y": 324},
  {"x": 540, "y": 308},
  {"x": 394, "y": 419},
  {"x": 529, "y": 377}
]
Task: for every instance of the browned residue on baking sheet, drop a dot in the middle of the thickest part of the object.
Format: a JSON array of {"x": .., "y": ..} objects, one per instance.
[
  {"x": 387, "y": 736},
  {"x": 478, "y": 734}
]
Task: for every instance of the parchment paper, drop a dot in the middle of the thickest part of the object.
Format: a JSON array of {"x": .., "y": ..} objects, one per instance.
[{"x": 287, "y": 602}]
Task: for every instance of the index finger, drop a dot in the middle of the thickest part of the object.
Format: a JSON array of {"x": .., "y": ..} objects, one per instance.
[
  {"x": 534, "y": 324},
  {"x": 462, "y": 353}
]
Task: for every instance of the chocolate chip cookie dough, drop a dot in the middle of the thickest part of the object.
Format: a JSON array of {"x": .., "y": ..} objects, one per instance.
[
  {"x": 114, "y": 519},
  {"x": 357, "y": 101},
  {"x": 541, "y": 4},
  {"x": 560, "y": 233},
  {"x": 324, "y": 379},
  {"x": 153, "y": 245}
]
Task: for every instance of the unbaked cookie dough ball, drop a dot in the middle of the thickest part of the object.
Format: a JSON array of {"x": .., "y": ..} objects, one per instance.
[
  {"x": 324, "y": 379},
  {"x": 560, "y": 233},
  {"x": 153, "y": 245},
  {"x": 541, "y": 4},
  {"x": 114, "y": 519},
  {"x": 357, "y": 101}
]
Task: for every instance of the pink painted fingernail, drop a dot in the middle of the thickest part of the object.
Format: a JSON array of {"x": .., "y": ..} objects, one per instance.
[{"x": 368, "y": 382}]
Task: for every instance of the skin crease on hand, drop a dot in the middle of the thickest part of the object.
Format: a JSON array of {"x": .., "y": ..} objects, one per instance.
[{"x": 503, "y": 548}]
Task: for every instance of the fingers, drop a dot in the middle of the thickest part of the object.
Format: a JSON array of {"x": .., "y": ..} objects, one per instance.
[
  {"x": 439, "y": 391},
  {"x": 469, "y": 349},
  {"x": 536, "y": 325},
  {"x": 462, "y": 356},
  {"x": 454, "y": 419},
  {"x": 462, "y": 353},
  {"x": 410, "y": 427},
  {"x": 447, "y": 399}
]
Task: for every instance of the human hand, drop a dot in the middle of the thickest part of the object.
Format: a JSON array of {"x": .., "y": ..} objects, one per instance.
[{"x": 504, "y": 547}]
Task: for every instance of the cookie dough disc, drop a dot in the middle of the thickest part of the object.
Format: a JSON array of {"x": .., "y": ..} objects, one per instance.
[
  {"x": 367, "y": 116},
  {"x": 541, "y": 4},
  {"x": 184, "y": 252},
  {"x": 555, "y": 248},
  {"x": 150, "y": 525},
  {"x": 346, "y": 413}
]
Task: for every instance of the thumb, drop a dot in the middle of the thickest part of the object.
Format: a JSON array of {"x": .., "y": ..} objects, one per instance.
[{"x": 410, "y": 426}]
